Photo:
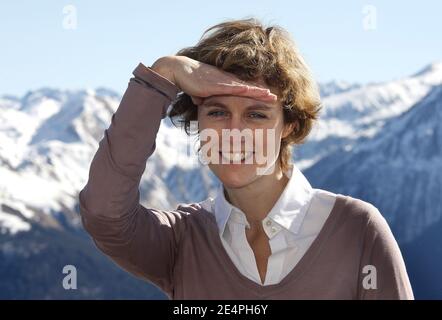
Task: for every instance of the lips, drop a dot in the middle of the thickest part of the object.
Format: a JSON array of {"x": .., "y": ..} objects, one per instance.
[{"x": 236, "y": 156}]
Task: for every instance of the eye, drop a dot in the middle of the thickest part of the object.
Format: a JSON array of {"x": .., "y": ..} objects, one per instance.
[
  {"x": 217, "y": 113},
  {"x": 258, "y": 115}
]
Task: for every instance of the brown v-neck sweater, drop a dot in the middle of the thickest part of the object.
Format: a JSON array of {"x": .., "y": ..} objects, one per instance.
[{"x": 355, "y": 255}]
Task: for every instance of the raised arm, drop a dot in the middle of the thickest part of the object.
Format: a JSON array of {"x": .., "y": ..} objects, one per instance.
[{"x": 142, "y": 240}]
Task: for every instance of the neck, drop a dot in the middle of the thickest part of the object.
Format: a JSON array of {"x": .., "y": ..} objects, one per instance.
[{"x": 258, "y": 198}]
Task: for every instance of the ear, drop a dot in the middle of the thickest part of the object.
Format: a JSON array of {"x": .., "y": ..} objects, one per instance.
[{"x": 288, "y": 129}]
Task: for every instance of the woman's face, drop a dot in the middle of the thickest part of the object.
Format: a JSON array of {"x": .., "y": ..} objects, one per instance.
[{"x": 235, "y": 128}]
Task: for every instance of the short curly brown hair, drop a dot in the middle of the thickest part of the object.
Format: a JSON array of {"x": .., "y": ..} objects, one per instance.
[{"x": 250, "y": 50}]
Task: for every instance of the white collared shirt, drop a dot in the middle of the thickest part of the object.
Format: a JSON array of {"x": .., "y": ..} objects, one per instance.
[{"x": 291, "y": 225}]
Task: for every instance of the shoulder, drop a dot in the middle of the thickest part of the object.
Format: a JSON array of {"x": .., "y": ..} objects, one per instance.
[
  {"x": 198, "y": 220},
  {"x": 353, "y": 207},
  {"x": 368, "y": 215},
  {"x": 183, "y": 215},
  {"x": 195, "y": 211},
  {"x": 356, "y": 213}
]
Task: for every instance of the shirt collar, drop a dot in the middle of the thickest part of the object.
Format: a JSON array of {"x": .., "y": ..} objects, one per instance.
[
  {"x": 223, "y": 209},
  {"x": 289, "y": 210}
]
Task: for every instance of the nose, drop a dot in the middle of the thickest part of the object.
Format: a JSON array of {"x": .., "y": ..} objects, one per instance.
[
  {"x": 236, "y": 122},
  {"x": 237, "y": 133}
]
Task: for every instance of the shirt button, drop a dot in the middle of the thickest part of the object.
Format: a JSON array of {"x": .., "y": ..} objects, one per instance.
[
  {"x": 273, "y": 229},
  {"x": 269, "y": 222}
]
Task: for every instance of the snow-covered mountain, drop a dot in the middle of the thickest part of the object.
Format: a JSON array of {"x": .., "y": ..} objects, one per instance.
[
  {"x": 47, "y": 141},
  {"x": 48, "y": 138},
  {"x": 335, "y": 87},
  {"x": 399, "y": 170},
  {"x": 362, "y": 110}
]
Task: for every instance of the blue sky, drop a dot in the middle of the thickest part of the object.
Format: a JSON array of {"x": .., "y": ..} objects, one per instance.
[{"x": 111, "y": 37}]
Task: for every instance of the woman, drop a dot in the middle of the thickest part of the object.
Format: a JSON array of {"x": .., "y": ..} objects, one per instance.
[{"x": 267, "y": 234}]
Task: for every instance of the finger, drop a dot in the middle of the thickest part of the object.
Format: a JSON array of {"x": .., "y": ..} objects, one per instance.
[
  {"x": 227, "y": 88},
  {"x": 260, "y": 93},
  {"x": 270, "y": 97},
  {"x": 246, "y": 90}
]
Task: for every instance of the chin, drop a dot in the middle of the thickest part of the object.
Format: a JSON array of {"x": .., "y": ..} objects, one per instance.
[{"x": 234, "y": 176}]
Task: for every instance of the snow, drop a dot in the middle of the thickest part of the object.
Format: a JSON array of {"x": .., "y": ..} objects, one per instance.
[
  {"x": 12, "y": 224},
  {"x": 48, "y": 138}
]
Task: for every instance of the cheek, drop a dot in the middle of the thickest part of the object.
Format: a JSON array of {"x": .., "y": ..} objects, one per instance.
[
  {"x": 200, "y": 120},
  {"x": 205, "y": 122},
  {"x": 269, "y": 141},
  {"x": 209, "y": 138}
]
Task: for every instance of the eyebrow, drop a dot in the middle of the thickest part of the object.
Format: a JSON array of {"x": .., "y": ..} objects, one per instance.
[{"x": 257, "y": 106}]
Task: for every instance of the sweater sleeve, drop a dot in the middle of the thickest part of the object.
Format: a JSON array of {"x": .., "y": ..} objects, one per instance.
[
  {"x": 383, "y": 275},
  {"x": 141, "y": 240}
]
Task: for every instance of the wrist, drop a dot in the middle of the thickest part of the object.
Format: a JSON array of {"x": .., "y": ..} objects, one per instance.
[{"x": 163, "y": 66}]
